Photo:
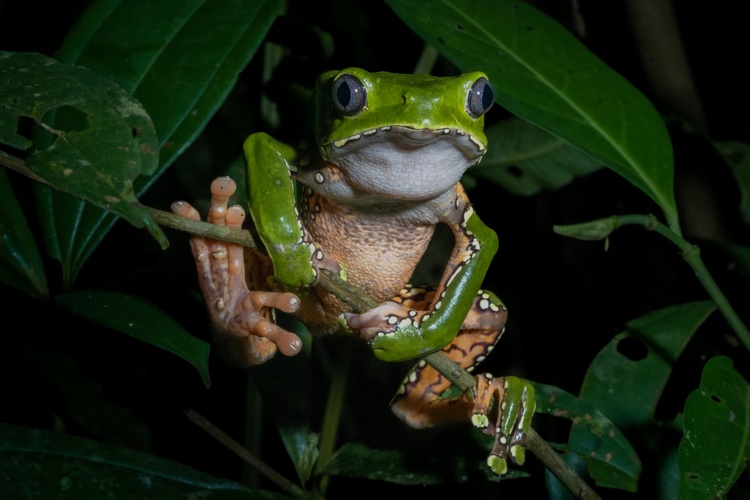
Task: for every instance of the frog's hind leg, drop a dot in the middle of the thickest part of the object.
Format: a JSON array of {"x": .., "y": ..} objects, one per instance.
[
  {"x": 418, "y": 401},
  {"x": 501, "y": 407}
]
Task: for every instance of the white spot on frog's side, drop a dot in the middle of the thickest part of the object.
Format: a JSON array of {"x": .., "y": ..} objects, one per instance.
[
  {"x": 406, "y": 322},
  {"x": 412, "y": 376},
  {"x": 319, "y": 255},
  {"x": 412, "y": 313},
  {"x": 467, "y": 214},
  {"x": 392, "y": 320},
  {"x": 319, "y": 178},
  {"x": 503, "y": 439},
  {"x": 421, "y": 363},
  {"x": 292, "y": 167},
  {"x": 484, "y": 304},
  {"x": 370, "y": 132},
  {"x": 219, "y": 255}
]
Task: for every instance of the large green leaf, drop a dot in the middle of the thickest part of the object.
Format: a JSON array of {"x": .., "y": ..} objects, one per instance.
[
  {"x": 525, "y": 159},
  {"x": 42, "y": 464},
  {"x": 546, "y": 76},
  {"x": 715, "y": 447},
  {"x": 141, "y": 319},
  {"x": 610, "y": 458},
  {"x": 20, "y": 262},
  {"x": 105, "y": 142},
  {"x": 172, "y": 57},
  {"x": 627, "y": 388}
]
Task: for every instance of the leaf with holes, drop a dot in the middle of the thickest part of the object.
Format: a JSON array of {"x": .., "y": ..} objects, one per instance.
[
  {"x": 626, "y": 379},
  {"x": 608, "y": 454},
  {"x": 180, "y": 66},
  {"x": 104, "y": 138},
  {"x": 716, "y": 443},
  {"x": 548, "y": 77}
]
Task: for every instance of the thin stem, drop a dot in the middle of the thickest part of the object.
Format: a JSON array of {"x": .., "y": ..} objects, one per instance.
[
  {"x": 465, "y": 381},
  {"x": 690, "y": 252},
  {"x": 244, "y": 454},
  {"x": 359, "y": 302},
  {"x": 332, "y": 415}
]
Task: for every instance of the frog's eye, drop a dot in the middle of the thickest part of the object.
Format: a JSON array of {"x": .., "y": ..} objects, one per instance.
[
  {"x": 349, "y": 95},
  {"x": 480, "y": 99}
]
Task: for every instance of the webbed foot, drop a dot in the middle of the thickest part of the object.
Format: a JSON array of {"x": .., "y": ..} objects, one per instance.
[
  {"x": 515, "y": 402},
  {"x": 245, "y": 330}
]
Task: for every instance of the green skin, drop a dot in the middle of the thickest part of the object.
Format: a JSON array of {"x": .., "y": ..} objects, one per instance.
[{"x": 418, "y": 102}]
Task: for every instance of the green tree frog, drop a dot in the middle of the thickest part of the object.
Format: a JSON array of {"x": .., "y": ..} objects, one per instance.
[{"x": 380, "y": 169}]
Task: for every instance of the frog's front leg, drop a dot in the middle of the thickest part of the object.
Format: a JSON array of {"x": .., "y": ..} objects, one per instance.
[
  {"x": 244, "y": 330},
  {"x": 501, "y": 407},
  {"x": 397, "y": 332}
]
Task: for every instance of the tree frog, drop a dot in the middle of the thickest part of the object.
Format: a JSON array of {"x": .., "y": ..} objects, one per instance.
[{"x": 380, "y": 168}]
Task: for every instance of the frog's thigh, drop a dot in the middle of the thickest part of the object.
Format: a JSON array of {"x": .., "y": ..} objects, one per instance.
[{"x": 418, "y": 400}]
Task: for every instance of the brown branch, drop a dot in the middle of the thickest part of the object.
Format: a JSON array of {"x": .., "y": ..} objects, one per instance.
[{"x": 359, "y": 302}]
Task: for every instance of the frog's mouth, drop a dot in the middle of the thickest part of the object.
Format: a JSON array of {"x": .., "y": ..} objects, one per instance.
[
  {"x": 403, "y": 136},
  {"x": 403, "y": 162}
]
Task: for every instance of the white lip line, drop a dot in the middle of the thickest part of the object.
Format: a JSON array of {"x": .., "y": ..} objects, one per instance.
[{"x": 367, "y": 133}]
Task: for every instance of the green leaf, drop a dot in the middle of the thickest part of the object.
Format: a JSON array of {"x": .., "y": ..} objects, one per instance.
[
  {"x": 140, "y": 319},
  {"x": 42, "y": 464},
  {"x": 20, "y": 263},
  {"x": 546, "y": 76},
  {"x": 716, "y": 443},
  {"x": 627, "y": 388},
  {"x": 105, "y": 141},
  {"x": 179, "y": 66},
  {"x": 737, "y": 156},
  {"x": 525, "y": 159},
  {"x": 610, "y": 458}
]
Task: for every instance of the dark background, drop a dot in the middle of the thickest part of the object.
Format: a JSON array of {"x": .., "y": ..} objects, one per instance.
[{"x": 566, "y": 298}]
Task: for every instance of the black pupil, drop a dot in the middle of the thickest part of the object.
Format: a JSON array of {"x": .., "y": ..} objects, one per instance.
[{"x": 344, "y": 94}]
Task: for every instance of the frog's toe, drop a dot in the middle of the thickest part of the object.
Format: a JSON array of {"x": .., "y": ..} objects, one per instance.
[
  {"x": 382, "y": 319},
  {"x": 512, "y": 420},
  {"x": 185, "y": 209}
]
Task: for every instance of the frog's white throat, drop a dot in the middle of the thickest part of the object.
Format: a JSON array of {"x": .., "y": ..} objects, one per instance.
[{"x": 405, "y": 163}]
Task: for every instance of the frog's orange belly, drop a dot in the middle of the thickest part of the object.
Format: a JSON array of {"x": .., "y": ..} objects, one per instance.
[{"x": 377, "y": 257}]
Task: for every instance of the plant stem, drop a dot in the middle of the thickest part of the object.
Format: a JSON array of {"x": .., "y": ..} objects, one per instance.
[
  {"x": 243, "y": 453},
  {"x": 463, "y": 380},
  {"x": 332, "y": 414},
  {"x": 690, "y": 252}
]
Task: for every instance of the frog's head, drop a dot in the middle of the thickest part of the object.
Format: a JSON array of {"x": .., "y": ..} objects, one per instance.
[{"x": 408, "y": 137}]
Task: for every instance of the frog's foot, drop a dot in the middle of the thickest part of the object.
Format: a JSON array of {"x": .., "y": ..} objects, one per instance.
[
  {"x": 503, "y": 408},
  {"x": 382, "y": 320},
  {"x": 242, "y": 318}
]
